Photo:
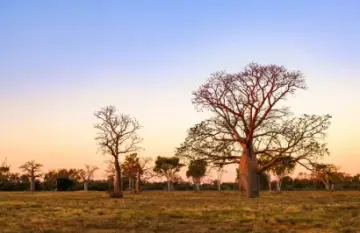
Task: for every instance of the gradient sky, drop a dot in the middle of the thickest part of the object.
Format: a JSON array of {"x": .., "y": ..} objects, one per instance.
[{"x": 62, "y": 60}]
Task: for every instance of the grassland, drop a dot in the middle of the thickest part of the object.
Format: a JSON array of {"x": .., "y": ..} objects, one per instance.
[{"x": 301, "y": 211}]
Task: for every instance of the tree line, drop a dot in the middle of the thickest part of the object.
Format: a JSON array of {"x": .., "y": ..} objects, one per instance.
[{"x": 137, "y": 174}]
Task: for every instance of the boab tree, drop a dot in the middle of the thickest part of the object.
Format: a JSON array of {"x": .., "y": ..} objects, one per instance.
[
  {"x": 87, "y": 174},
  {"x": 167, "y": 167},
  {"x": 31, "y": 169},
  {"x": 250, "y": 117},
  {"x": 197, "y": 170},
  {"x": 117, "y": 134}
]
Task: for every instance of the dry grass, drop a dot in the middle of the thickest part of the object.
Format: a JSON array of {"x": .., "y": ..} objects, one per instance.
[{"x": 180, "y": 212}]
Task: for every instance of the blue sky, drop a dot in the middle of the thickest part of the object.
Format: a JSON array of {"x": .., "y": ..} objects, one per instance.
[{"x": 62, "y": 60}]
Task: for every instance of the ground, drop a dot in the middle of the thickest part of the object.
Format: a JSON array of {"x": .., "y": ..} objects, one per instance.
[{"x": 292, "y": 211}]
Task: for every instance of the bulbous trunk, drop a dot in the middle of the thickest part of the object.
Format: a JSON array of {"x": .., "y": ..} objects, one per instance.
[
  {"x": 32, "y": 184},
  {"x": 249, "y": 178},
  {"x": 197, "y": 186},
  {"x": 219, "y": 186},
  {"x": 86, "y": 185},
  {"x": 117, "y": 180}
]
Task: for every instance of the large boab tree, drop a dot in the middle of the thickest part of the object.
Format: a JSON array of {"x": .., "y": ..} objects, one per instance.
[
  {"x": 116, "y": 136},
  {"x": 250, "y": 117}
]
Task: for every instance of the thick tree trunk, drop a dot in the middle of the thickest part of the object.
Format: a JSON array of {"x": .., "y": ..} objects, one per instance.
[
  {"x": 117, "y": 181},
  {"x": 137, "y": 181},
  {"x": 169, "y": 184},
  {"x": 86, "y": 185},
  {"x": 219, "y": 185},
  {"x": 249, "y": 178},
  {"x": 32, "y": 184}
]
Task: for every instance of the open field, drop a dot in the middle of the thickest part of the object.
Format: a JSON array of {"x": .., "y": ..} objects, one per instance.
[{"x": 301, "y": 211}]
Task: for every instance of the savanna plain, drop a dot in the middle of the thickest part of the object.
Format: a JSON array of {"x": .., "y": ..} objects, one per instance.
[{"x": 204, "y": 211}]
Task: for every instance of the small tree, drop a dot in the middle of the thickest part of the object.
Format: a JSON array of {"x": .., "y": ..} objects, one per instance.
[
  {"x": 325, "y": 173},
  {"x": 142, "y": 170},
  {"x": 356, "y": 180},
  {"x": 116, "y": 136},
  {"x": 31, "y": 169},
  {"x": 281, "y": 170},
  {"x": 130, "y": 168},
  {"x": 197, "y": 170},
  {"x": 167, "y": 167},
  {"x": 4, "y": 173},
  {"x": 87, "y": 174}
]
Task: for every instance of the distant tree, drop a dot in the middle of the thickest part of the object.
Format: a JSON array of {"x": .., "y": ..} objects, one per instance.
[
  {"x": 116, "y": 136},
  {"x": 326, "y": 173},
  {"x": 167, "y": 167},
  {"x": 131, "y": 168},
  {"x": 87, "y": 174},
  {"x": 64, "y": 184},
  {"x": 4, "y": 173},
  {"x": 51, "y": 177},
  {"x": 281, "y": 170},
  {"x": 143, "y": 170},
  {"x": 220, "y": 171},
  {"x": 197, "y": 170},
  {"x": 356, "y": 180},
  {"x": 31, "y": 169}
]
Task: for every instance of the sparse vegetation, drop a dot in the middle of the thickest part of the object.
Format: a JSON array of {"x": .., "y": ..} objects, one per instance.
[{"x": 298, "y": 211}]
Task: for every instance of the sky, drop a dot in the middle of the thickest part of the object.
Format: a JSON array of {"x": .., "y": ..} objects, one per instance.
[{"x": 60, "y": 61}]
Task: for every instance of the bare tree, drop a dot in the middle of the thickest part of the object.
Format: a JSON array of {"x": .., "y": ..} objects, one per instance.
[
  {"x": 249, "y": 116},
  {"x": 31, "y": 169},
  {"x": 87, "y": 174},
  {"x": 116, "y": 136}
]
